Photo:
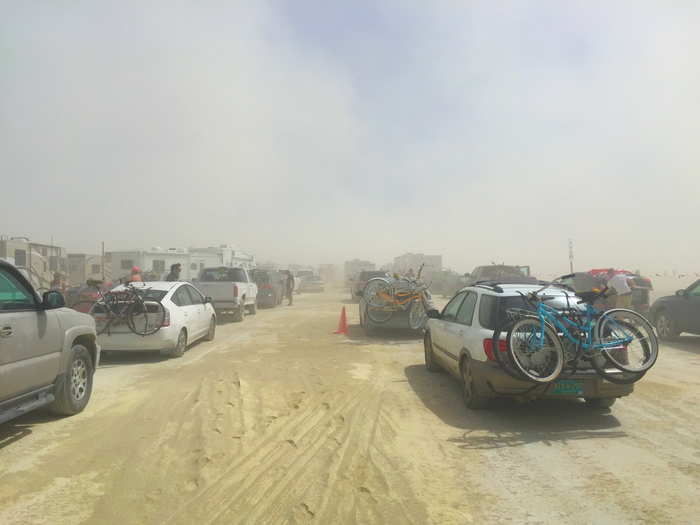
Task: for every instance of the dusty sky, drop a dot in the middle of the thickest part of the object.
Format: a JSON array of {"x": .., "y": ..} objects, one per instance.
[{"x": 314, "y": 131}]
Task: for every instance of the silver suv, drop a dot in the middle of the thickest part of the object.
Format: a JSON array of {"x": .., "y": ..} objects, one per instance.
[
  {"x": 459, "y": 340},
  {"x": 48, "y": 353}
]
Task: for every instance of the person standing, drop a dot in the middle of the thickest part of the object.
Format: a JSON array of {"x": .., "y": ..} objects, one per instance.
[
  {"x": 135, "y": 276},
  {"x": 289, "y": 288},
  {"x": 620, "y": 284},
  {"x": 174, "y": 274}
]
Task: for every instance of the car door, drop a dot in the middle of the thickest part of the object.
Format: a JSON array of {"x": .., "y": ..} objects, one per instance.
[
  {"x": 30, "y": 338},
  {"x": 455, "y": 333},
  {"x": 689, "y": 309},
  {"x": 441, "y": 330},
  {"x": 199, "y": 311},
  {"x": 183, "y": 300}
]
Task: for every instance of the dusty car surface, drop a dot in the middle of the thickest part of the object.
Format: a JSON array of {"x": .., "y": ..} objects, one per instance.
[{"x": 48, "y": 353}]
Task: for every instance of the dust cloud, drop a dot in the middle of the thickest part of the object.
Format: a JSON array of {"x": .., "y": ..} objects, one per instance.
[{"x": 316, "y": 132}]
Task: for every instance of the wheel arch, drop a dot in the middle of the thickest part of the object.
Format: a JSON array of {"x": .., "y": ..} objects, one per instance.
[{"x": 89, "y": 342}]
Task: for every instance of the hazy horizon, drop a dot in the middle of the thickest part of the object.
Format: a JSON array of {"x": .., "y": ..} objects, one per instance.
[{"x": 317, "y": 132}]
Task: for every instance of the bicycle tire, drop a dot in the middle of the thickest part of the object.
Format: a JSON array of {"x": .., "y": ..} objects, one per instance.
[
  {"x": 372, "y": 289},
  {"x": 503, "y": 358},
  {"x": 648, "y": 343},
  {"x": 103, "y": 316},
  {"x": 619, "y": 378},
  {"x": 417, "y": 315},
  {"x": 528, "y": 368},
  {"x": 378, "y": 316},
  {"x": 84, "y": 307},
  {"x": 145, "y": 317}
]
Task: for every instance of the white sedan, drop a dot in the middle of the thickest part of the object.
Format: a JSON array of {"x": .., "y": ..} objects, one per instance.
[{"x": 189, "y": 316}]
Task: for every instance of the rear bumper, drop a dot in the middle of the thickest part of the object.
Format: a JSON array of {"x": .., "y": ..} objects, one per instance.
[
  {"x": 266, "y": 299},
  {"x": 227, "y": 306},
  {"x": 163, "y": 339},
  {"x": 491, "y": 380}
]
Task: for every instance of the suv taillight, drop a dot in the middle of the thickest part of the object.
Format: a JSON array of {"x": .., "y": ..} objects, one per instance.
[
  {"x": 166, "y": 319},
  {"x": 488, "y": 348},
  {"x": 235, "y": 290}
]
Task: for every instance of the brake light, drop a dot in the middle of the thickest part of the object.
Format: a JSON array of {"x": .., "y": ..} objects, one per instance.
[
  {"x": 235, "y": 290},
  {"x": 166, "y": 319},
  {"x": 488, "y": 348}
]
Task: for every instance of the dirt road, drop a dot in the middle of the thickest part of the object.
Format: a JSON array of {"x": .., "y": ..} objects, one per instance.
[{"x": 280, "y": 421}]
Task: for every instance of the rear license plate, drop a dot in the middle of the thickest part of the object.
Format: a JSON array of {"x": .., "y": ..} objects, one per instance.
[{"x": 571, "y": 387}]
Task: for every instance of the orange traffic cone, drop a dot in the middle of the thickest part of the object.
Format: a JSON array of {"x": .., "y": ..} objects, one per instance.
[{"x": 343, "y": 323}]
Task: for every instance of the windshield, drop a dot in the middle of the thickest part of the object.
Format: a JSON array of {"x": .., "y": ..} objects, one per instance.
[{"x": 223, "y": 274}]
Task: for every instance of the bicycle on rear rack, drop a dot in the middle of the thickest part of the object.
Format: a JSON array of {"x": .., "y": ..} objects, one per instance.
[
  {"x": 542, "y": 340},
  {"x": 142, "y": 313}
]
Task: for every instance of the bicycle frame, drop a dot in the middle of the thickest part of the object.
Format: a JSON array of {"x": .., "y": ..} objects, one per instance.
[{"x": 546, "y": 313}]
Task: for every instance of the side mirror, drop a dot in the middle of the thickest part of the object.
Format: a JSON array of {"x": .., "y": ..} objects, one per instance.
[
  {"x": 681, "y": 293},
  {"x": 433, "y": 314},
  {"x": 207, "y": 299},
  {"x": 52, "y": 299}
]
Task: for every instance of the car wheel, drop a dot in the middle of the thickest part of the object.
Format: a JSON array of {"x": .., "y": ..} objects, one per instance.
[
  {"x": 470, "y": 394},
  {"x": 239, "y": 314},
  {"x": 600, "y": 402},
  {"x": 212, "y": 330},
  {"x": 430, "y": 363},
  {"x": 253, "y": 309},
  {"x": 181, "y": 345},
  {"x": 666, "y": 327},
  {"x": 74, "y": 388}
]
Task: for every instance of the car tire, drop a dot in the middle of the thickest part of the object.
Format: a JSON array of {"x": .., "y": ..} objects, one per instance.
[
  {"x": 211, "y": 334},
  {"x": 600, "y": 402},
  {"x": 180, "y": 346},
  {"x": 471, "y": 396},
  {"x": 252, "y": 309},
  {"x": 665, "y": 326},
  {"x": 74, "y": 388},
  {"x": 239, "y": 314},
  {"x": 430, "y": 363}
]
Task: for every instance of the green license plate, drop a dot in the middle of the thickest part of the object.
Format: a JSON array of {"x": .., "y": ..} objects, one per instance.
[{"x": 571, "y": 387}]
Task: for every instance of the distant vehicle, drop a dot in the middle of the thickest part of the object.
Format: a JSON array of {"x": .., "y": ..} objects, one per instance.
[
  {"x": 358, "y": 283},
  {"x": 495, "y": 272},
  {"x": 189, "y": 316},
  {"x": 675, "y": 314},
  {"x": 640, "y": 291},
  {"x": 270, "y": 287},
  {"x": 311, "y": 283},
  {"x": 231, "y": 289},
  {"x": 460, "y": 340},
  {"x": 48, "y": 353}
]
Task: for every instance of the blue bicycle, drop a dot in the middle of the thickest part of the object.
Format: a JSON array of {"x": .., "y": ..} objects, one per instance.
[{"x": 538, "y": 338}]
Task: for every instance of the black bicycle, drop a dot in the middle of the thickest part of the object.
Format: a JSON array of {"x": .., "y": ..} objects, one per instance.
[{"x": 134, "y": 307}]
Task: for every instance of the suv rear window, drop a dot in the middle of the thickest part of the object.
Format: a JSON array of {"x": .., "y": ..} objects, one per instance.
[
  {"x": 212, "y": 275},
  {"x": 492, "y": 309}
]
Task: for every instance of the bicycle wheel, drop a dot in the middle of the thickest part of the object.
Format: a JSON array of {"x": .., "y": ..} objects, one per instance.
[
  {"x": 600, "y": 365},
  {"x": 103, "y": 315},
  {"x": 503, "y": 357},
  {"x": 379, "y": 315},
  {"x": 417, "y": 315},
  {"x": 145, "y": 317},
  {"x": 539, "y": 356},
  {"x": 84, "y": 307},
  {"x": 638, "y": 347},
  {"x": 372, "y": 291}
]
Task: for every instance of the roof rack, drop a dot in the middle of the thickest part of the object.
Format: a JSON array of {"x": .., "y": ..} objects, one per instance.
[{"x": 489, "y": 285}]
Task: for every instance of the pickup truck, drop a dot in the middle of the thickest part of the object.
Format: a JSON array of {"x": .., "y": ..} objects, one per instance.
[
  {"x": 231, "y": 290},
  {"x": 48, "y": 353}
]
